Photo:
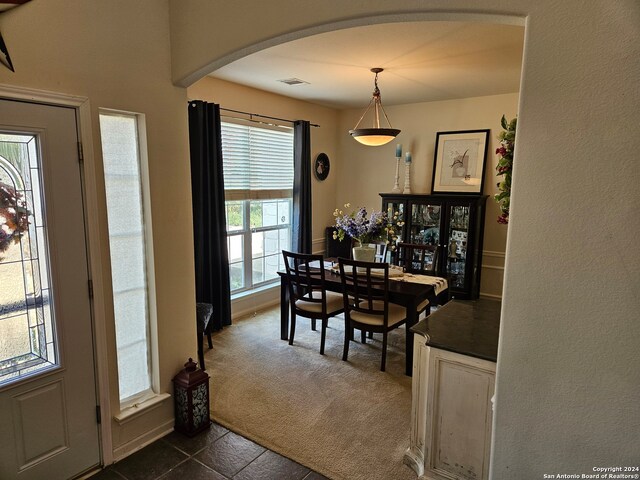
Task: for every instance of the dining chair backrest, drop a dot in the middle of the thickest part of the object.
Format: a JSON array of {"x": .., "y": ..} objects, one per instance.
[
  {"x": 337, "y": 248},
  {"x": 417, "y": 258},
  {"x": 381, "y": 252},
  {"x": 305, "y": 276},
  {"x": 365, "y": 287}
]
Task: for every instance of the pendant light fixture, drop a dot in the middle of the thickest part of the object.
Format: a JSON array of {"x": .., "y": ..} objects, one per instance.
[{"x": 376, "y": 136}]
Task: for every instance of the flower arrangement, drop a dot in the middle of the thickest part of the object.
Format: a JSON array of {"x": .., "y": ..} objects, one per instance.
[
  {"x": 378, "y": 226},
  {"x": 14, "y": 217},
  {"x": 505, "y": 164}
]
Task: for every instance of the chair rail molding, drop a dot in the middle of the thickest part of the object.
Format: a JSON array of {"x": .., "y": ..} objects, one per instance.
[
  {"x": 318, "y": 246},
  {"x": 493, "y": 267},
  {"x": 492, "y": 253}
]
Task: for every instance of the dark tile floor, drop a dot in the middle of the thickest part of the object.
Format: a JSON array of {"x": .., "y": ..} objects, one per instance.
[{"x": 216, "y": 454}]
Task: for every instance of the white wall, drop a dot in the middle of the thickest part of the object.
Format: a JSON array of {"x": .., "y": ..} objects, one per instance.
[
  {"x": 365, "y": 171},
  {"x": 117, "y": 55},
  {"x": 567, "y": 379}
]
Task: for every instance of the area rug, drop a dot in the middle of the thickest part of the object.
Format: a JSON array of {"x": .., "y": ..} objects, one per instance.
[{"x": 345, "y": 420}]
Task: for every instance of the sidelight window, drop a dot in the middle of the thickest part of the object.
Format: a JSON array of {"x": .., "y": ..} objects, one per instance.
[{"x": 130, "y": 250}]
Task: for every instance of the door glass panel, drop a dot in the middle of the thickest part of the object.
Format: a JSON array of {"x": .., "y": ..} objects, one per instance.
[
  {"x": 457, "y": 243},
  {"x": 27, "y": 336},
  {"x": 425, "y": 224}
]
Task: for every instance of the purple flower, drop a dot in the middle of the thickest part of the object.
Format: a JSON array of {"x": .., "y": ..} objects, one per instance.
[{"x": 364, "y": 230}]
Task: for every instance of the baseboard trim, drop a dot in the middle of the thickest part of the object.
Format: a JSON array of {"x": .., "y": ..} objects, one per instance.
[
  {"x": 142, "y": 441},
  {"x": 254, "y": 309},
  {"x": 493, "y": 253}
]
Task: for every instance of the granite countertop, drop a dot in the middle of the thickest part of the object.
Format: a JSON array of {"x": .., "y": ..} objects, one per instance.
[{"x": 469, "y": 327}]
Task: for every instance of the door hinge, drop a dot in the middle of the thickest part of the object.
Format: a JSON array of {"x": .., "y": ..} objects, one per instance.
[
  {"x": 80, "y": 153},
  {"x": 90, "y": 286},
  {"x": 98, "y": 414}
]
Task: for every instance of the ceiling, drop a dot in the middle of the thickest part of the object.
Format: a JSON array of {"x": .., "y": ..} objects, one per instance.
[{"x": 423, "y": 61}]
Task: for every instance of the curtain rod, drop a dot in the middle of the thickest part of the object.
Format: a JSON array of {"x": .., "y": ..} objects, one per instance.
[
  {"x": 262, "y": 116},
  {"x": 251, "y": 120}
]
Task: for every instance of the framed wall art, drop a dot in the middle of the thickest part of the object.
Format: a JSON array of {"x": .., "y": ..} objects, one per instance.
[{"x": 459, "y": 161}]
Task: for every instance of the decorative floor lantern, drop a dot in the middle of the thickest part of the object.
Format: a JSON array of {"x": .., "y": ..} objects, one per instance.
[{"x": 191, "y": 387}]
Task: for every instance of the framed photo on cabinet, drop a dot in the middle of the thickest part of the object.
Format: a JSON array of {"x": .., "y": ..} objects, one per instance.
[{"x": 459, "y": 162}]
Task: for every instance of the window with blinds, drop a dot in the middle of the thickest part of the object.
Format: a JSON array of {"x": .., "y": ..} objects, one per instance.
[
  {"x": 258, "y": 180},
  {"x": 258, "y": 161}
]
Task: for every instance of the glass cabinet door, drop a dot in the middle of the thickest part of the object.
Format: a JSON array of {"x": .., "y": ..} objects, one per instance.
[
  {"x": 392, "y": 207},
  {"x": 425, "y": 224},
  {"x": 453, "y": 228},
  {"x": 457, "y": 243}
]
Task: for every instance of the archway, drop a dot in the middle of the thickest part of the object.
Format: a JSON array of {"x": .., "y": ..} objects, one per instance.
[{"x": 258, "y": 47}]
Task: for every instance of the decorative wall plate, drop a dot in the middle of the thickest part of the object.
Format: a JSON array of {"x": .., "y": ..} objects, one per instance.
[{"x": 321, "y": 166}]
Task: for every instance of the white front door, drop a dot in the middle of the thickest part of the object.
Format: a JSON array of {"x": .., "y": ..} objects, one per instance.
[{"x": 48, "y": 424}]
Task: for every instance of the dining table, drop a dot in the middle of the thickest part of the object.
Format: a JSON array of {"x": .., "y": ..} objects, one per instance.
[{"x": 408, "y": 290}]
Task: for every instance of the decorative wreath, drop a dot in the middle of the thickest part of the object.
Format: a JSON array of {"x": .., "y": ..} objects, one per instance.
[{"x": 14, "y": 216}]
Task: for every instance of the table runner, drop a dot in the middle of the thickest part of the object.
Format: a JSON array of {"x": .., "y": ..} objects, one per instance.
[
  {"x": 439, "y": 284},
  {"x": 397, "y": 274}
]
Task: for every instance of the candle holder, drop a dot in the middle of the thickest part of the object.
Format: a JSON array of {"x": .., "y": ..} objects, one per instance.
[
  {"x": 407, "y": 178},
  {"x": 396, "y": 187}
]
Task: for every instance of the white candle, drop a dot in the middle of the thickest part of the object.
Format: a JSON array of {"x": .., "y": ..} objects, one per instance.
[{"x": 407, "y": 157}]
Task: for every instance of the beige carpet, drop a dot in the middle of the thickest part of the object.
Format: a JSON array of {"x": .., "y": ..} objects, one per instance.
[{"x": 346, "y": 420}]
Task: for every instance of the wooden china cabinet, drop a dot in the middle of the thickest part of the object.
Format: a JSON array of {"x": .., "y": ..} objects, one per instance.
[{"x": 454, "y": 223}]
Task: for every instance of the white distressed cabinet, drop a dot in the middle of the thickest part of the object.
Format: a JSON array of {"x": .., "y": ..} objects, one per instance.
[{"x": 451, "y": 413}]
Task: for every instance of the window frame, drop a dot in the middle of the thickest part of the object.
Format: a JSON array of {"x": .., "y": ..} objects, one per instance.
[
  {"x": 247, "y": 243},
  {"x": 246, "y": 232}
]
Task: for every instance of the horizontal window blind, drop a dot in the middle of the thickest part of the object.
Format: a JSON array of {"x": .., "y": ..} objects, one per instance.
[{"x": 258, "y": 162}]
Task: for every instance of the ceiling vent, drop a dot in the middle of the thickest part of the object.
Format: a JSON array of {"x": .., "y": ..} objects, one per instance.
[{"x": 294, "y": 81}]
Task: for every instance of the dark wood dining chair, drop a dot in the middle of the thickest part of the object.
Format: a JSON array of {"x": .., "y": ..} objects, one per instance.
[
  {"x": 308, "y": 296},
  {"x": 336, "y": 248},
  {"x": 366, "y": 302},
  {"x": 417, "y": 258},
  {"x": 381, "y": 251}
]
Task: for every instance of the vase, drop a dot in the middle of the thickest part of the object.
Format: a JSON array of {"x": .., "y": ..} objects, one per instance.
[{"x": 364, "y": 253}]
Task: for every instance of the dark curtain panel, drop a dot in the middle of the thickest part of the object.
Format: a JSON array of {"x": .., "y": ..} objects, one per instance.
[
  {"x": 209, "y": 222},
  {"x": 301, "y": 222}
]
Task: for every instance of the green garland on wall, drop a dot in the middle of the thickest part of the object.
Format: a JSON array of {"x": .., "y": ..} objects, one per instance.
[{"x": 505, "y": 165}]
